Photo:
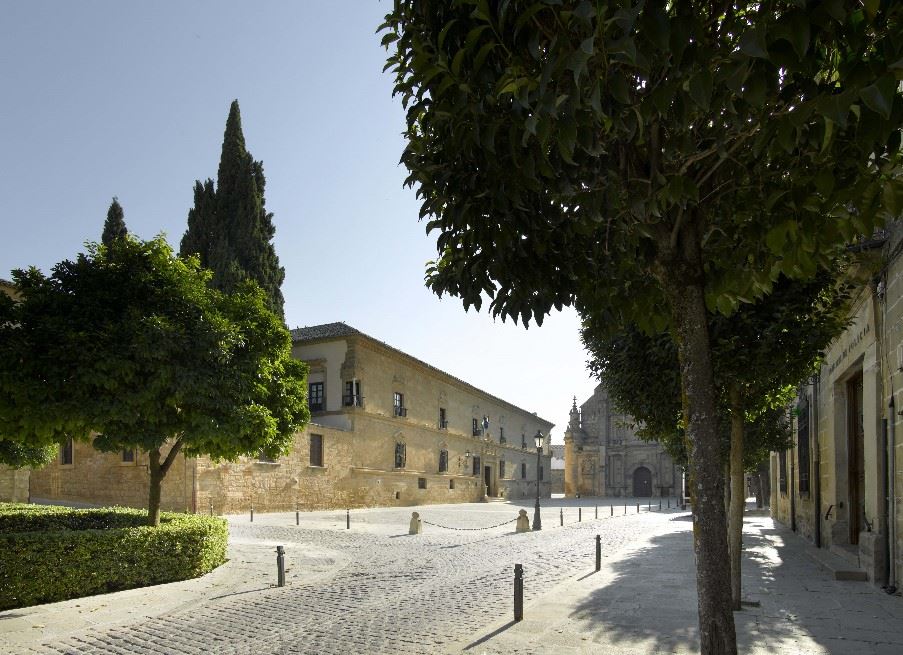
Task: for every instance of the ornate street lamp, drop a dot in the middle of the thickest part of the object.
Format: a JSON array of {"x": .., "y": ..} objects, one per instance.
[{"x": 537, "y": 521}]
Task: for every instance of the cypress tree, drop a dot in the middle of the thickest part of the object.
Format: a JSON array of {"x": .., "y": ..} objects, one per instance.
[
  {"x": 114, "y": 227},
  {"x": 229, "y": 227}
]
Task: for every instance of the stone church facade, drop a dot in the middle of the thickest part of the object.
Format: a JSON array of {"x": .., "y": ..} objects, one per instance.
[
  {"x": 604, "y": 457},
  {"x": 386, "y": 429}
]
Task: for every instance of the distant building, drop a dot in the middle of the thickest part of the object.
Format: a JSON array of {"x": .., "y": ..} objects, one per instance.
[
  {"x": 604, "y": 457},
  {"x": 557, "y": 468},
  {"x": 387, "y": 429}
]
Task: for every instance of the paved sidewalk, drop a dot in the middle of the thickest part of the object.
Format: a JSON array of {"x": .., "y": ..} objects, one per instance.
[{"x": 643, "y": 601}]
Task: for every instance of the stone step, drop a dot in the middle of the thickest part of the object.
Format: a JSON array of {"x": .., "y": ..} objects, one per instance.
[{"x": 838, "y": 565}]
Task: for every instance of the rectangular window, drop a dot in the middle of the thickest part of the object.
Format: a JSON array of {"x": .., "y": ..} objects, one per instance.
[
  {"x": 352, "y": 396},
  {"x": 443, "y": 461},
  {"x": 476, "y": 466},
  {"x": 316, "y": 450},
  {"x": 523, "y": 470},
  {"x": 802, "y": 444},
  {"x": 421, "y": 483},
  {"x": 128, "y": 455},
  {"x": 400, "y": 455},
  {"x": 502, "y": 469},
  {"x": 66, "y": 453},
  {"x": 400, "y": 409},
  {"x": 476, "y": 428},
  {"x": 443, "y": 419},
  {"x": 451, "y": 483},
  {"x": 523, "y": 440},
  {"x": 315, "y": 396},
  {"x": 782, "y": 471},
  {"x": 501, "y": 435}
]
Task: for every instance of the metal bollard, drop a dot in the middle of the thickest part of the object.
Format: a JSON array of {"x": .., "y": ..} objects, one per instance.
[
  {"x": 612, "y": 510},
  {"x": 252, "y": 513},
  {"x": 598, "y": 553},
  {"x": 637, "y": 508},
  {"x": 280, "y": 565},
  {"x": 297, "y": 516},
  {"x": 518, "y": 592},
  {"x": 669, "y": 502},
  {"x": 579, "y": 515},
  {"x": 597, "y": 511},
  {"x": 625, "y": 509},
  {"x": 649, "y": 508},
  {"x": 660, "y": 504},
  {"x": 347, "y": 519},
  {"x": 562, "y": 517}
]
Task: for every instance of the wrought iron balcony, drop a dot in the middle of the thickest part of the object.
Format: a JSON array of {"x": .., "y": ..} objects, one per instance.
[
  {"x": 401, "y": 411},
  {"x": 443, "y": 425}
]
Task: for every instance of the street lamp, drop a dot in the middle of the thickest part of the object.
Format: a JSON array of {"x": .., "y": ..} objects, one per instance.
[{"x": 537, "y": 521}]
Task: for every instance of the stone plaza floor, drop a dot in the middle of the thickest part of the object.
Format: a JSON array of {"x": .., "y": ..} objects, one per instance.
[{"x": 376, "y": 589}]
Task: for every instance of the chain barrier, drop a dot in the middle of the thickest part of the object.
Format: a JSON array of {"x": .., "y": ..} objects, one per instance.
[{"x": 446, "y": 527}]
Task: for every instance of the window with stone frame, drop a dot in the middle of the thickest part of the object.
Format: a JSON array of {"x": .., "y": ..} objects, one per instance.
[
  {"x": 315, "y": 397},
  {"x": 443, "y": 419},
  {"x": 398, "y": 404},
  {"x": 476, "y": 465},
  {"x": 128, "y": 455},
  {"x": 782, "y": 471},
  {"x": 502, "y": 469},
  {"x": 66, "y": 455},
  {"x": 316, "y": 450},
  {"x": 477, "y": 431},
  {"x": 523, "y": 470},
  {"x": 400, "y": 455},
  {"x": 421, "y": 483},
  {"x": 443, "y": 461},
  {"x": 501, "y": 434},
  {"x": 802, "y": 444}
]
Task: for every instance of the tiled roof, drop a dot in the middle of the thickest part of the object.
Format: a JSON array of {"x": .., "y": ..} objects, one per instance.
[
  {"x": 325, "y": 331},
  {"x": 339, "y": 330}
]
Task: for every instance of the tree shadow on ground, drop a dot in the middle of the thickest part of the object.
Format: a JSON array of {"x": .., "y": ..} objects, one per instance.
[{"x": 650, "y": 604}]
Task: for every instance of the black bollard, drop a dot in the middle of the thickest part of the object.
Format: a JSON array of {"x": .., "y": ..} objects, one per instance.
[
  {"x": 562, "y": 517},
  {"x": 637, "y": 508},
  {"x": 280, "y": 565},
  {"x": 297, "y": 516},
  {"x": 598, "y": 553},
  {"x": 347, "y": 519},
  {"x": 669, "y": 502},
  {"x": 252, "y": 513},
  {"x": 649, "y": 508},
  {"x": 612, "y": 510},
  {"x": 660, "y": 504},
  {"x": 625, "y": 508},
  {"x": 597, "y": 511},
  {"x": 579, "y": 515},
  {"x": 518, "y": 592}
]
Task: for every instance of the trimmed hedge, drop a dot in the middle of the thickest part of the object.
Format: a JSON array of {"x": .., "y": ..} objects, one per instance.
[{"x": 50, "y": 553}]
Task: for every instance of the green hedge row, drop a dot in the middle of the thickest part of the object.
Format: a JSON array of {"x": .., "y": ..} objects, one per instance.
[{"x": 49, "y": 554}]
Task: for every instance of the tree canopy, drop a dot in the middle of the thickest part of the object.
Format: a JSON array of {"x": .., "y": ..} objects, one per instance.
[
  {"x": 129, "y": 342},
  {"x": 114, "y": 227},
  {"x": 648, "y": 162},
  {"x": 229, "y": 227}
]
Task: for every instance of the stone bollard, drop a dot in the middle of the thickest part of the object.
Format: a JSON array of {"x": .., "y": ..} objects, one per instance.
[
  {"x": 415, "y": 527},
  {"x": 518, "y": 592},
  {"x": 280, "y": 565},
  {"x": 523, "y": 523}
]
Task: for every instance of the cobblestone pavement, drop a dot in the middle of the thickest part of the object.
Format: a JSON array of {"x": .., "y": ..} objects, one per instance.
[{"x": 378, "y": 589}]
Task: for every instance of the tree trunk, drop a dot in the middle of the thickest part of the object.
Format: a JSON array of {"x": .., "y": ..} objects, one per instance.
[
  {"x": 157, "y": 471},
  {"x": 682, "y": 278},
  {"x": 738, "y": 497}
]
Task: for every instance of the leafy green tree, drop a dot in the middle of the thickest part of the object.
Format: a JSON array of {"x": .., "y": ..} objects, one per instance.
[
  {"x": 651, "y": 161},
  {"x": 114, "y": 227},
  {"x": 761, "y": 354},
  {"x": 129, "y": 342},
  {"x": 20, "y": 455},
  {"x": 229, "y": 227}
]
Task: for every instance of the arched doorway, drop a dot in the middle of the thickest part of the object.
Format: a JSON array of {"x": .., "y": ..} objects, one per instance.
[{"x": 642, "y": 482}]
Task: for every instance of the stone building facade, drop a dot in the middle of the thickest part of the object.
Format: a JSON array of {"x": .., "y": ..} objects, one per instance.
[
  {"x": 840, "y": 485},
  {"x": 387, "y": 429},
  {"x": 604, "y": 457}
]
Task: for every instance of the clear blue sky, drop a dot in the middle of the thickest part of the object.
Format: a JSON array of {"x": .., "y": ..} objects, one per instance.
[{"x": 103, "y": 99}]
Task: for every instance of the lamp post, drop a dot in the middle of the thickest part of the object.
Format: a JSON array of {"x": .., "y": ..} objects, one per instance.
[{"x": 537, "y": 521}]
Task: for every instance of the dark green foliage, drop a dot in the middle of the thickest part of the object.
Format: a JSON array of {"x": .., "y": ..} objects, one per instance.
[
  {"x": 130, "y": 342},
  {"x": 114, "y": 227},
  {"x": 49, "y": 554},
  {"x": 229, "y": 227},
  {"x": 19, "y": 455}
]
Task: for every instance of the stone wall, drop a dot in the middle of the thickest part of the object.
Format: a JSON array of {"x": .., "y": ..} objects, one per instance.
[{"x": 14, "y": 484}]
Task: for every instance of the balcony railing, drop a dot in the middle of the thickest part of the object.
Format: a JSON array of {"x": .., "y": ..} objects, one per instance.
[
  {"x": 401, "y": 411},
  {"x": 352, "y": 401},
  {"x": 443, "y": 425}
]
